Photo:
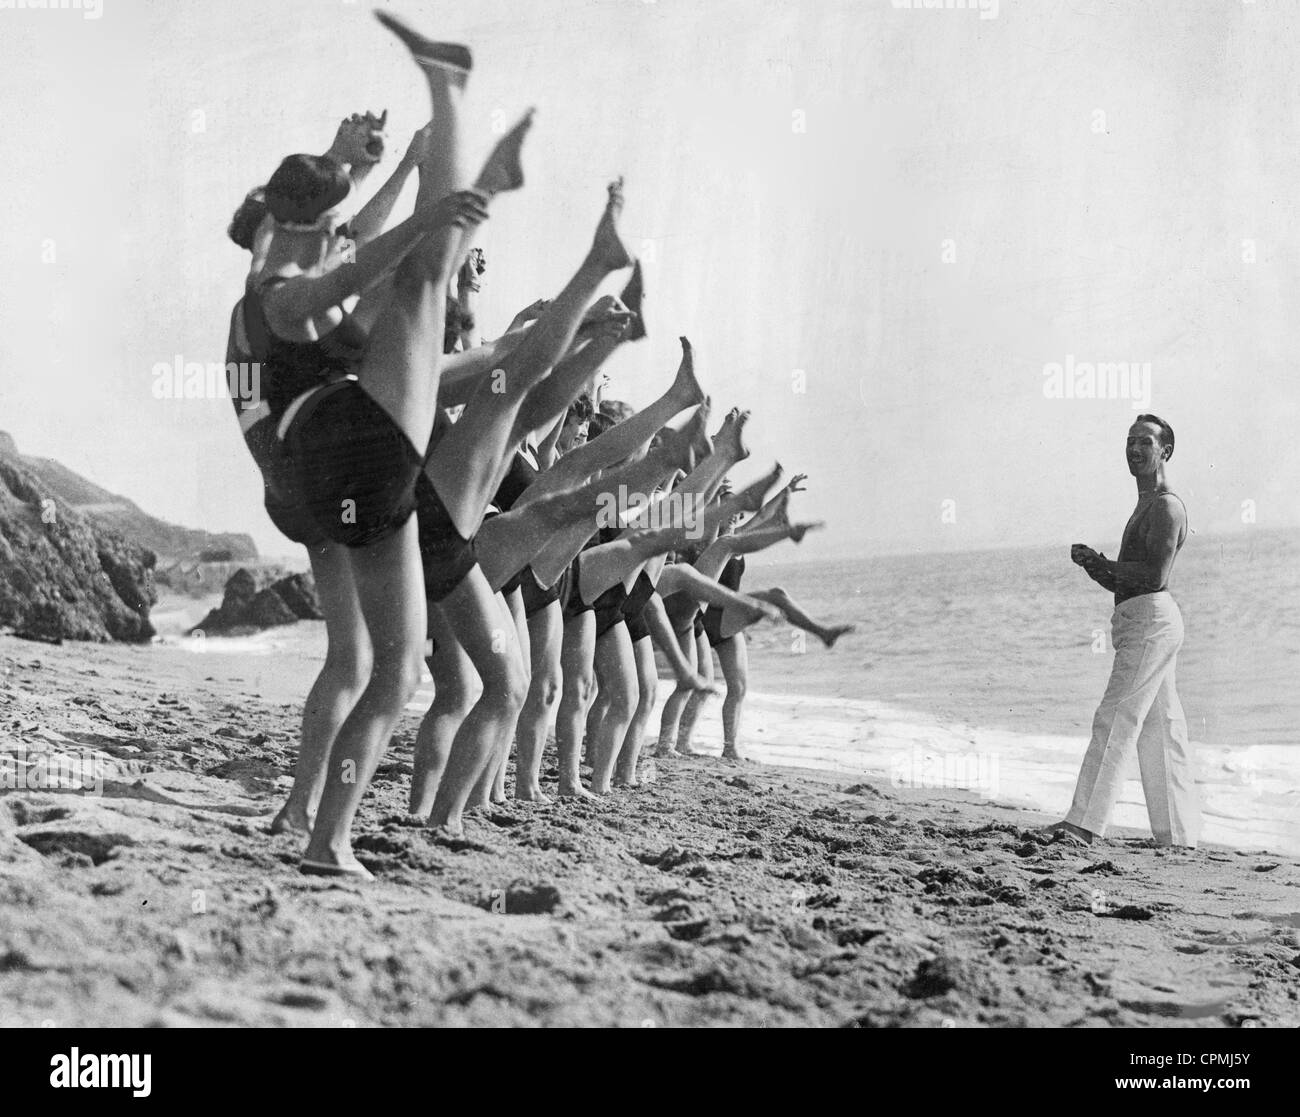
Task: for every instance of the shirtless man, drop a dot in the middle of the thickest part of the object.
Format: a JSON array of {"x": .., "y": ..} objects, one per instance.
[{"x": 1140, "y": 707}]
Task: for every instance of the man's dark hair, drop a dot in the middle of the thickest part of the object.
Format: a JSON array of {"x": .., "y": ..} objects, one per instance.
[{"x": 1166, "y": 431}]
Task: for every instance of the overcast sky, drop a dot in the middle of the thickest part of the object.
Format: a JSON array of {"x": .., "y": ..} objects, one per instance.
[{"x": 878, "y": 226}]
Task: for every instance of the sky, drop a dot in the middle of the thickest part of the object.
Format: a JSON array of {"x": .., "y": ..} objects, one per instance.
[{"x": 880, "y": 227}]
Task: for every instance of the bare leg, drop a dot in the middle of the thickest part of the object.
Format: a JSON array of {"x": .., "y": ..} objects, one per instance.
[
  {"x": 790, "y": 609},
  {"x": 390, "y": 586},
  {"x": 481, "y": 623},
  {"x": 671, "y": 717},
  {"x": 465, "y": 464},
  {"x": 545, "y": 636},
  {"x": 617, "y": 679},
  {"x": 733, "y": 657},
  {"x": 490, "y": 787},
  {"x": 456, "y": 689},
  {"x": 661, "y": 632},
  {"x": 509, "y": 542},
  {"x": 680, "y": 578},
  {"x": 686, "y": 730},
  {"x": 647, "y": 677},
  {"x": 625, "y": 438},
  {"x": 342, "y": 678},
  {"x": 579, "y": 689}
]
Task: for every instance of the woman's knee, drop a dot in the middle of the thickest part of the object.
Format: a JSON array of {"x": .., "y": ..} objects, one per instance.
[
  {"x": 349, "y": 668},
  {"x": 505, "y": 681}
]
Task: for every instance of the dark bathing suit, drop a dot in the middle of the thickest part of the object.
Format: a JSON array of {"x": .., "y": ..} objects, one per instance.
[
  {"x": 258, "y": 420},
  {"x": 730, "y": 578},
  {"x": 634, "y": 606},
  {"x": 355, "y": 472}
]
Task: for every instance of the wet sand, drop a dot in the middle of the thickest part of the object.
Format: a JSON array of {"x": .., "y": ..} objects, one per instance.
[{"x": 718, "y": 894}]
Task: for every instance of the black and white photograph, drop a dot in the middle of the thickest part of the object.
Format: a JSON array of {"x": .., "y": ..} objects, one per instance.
[{"x": 650, "y": 514}]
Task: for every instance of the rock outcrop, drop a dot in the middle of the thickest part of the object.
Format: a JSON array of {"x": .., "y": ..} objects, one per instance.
[
  {"x": 117, "y": 513},
  {"x": 251, "y": 603},
  {"x": 63, "y": 574}
]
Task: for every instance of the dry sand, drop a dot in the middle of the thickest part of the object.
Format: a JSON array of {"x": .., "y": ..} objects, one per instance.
[{"x": 719, "y": 894}]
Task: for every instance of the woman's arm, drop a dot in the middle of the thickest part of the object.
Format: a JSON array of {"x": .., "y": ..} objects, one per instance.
[
  {"x": 301, "y": 298},
  {"x": 373, "y": 216}
]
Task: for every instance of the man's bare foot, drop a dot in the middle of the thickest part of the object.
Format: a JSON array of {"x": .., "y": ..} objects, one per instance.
[
  {"x": 608, "y": 249},
  {"x": 686, "y": 388},
  {"x": 293, "y": 822},
  {"x": 830, "y": 635},
  {"x": 531, "y": 795},
  {"x": 729, "y": 438},
  {"x": 1068, "y": 831},
  {"x": 504, "y": 169},
  {"x": 633, "y": 295},
  {"x": 453, "y": 58}
]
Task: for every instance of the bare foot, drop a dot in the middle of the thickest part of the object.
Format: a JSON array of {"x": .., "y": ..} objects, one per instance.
[
  {"x": 696, "y": 433},
  {"x": 663, "y": 752},
  {"x": 686, "y": 388},
  {"x": 688, "y": 750},
  {"x": 736, "y": 756},
  {"x": 608, "y": 249},
  {"x": 531, "y": 795},
  {"x": 293, "y": 822},
  {"x": 633, "y": 295},
  {"x": 575, "y": 791},
  {"x": 453, "y": 58},
  {"x": 728, "y": 440},
  {"x": 345, "y": 866},
  {"x": 798, "y": 531},
  {"x": 504, "y": 169},
  {"x": 830, "y": 635},
  {"x": 752, "y": 496}
]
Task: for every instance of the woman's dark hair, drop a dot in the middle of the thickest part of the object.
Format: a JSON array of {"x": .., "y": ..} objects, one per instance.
[
  {"x": 248, "y": 217},
  {"x": 580, "y": 409},
  {"x": 305, "y": 186},
  {"x": 598, "y": 424}
]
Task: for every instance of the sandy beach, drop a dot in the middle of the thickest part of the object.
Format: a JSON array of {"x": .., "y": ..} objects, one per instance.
[{"x": 718, "y": 894}]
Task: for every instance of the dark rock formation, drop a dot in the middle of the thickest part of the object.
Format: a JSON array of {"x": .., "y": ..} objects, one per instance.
[
  {"x": 64, "y": 575},
  {"x": 126, "y": 517},
  {"x": 254, "y": 602}
]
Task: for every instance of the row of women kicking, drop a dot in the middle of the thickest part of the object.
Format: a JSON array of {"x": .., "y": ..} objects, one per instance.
[{"x": 463, "y": 542}]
